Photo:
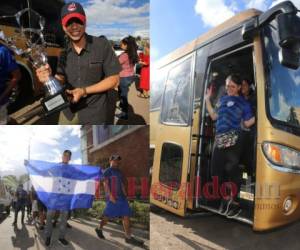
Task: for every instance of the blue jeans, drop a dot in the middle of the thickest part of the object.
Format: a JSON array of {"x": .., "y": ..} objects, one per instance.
[
  {"x": 123, "y": 89},
  {"x": 19, "y": 207},
  {"x": 62, "y": 224}
]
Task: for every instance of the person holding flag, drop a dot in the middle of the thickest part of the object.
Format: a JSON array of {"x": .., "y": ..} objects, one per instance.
[
  {"x": 62, "y": 187},
  {"x": 66, "y": 157}
]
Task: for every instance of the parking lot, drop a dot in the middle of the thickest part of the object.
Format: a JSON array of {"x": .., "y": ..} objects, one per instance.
[{"x": 210, "y": 231}]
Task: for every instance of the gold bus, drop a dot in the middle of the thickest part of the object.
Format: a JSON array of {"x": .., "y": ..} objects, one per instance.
[
  {"x": 28, "y": 87},
  {"x": 262, "y": 47}
]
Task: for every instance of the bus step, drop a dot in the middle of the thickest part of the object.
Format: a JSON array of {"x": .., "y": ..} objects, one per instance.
[
  {"x": 201, "y": 155},
  {"x": 196, "y": 136},
  {"x": 198, "y": 214}
]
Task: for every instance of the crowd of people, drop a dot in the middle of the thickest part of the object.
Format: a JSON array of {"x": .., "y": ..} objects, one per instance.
[{"x": 46, "y": 219}]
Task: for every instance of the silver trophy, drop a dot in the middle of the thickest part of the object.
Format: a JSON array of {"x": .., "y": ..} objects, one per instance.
[{"x": 55, "y": 97}]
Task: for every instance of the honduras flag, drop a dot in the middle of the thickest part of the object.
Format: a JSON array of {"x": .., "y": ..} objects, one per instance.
[{"x": 63, "y": 186}]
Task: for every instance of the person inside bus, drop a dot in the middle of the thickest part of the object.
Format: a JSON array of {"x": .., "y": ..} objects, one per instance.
[
  {"x": 231, "y": 110},
  {"x": 248, "y": 134},
  {"x": 248, "y": 93}
]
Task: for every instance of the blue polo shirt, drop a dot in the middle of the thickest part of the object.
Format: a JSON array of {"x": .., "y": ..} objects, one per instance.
[
  {"x": 231, "y": 111},
  {"x": 7, "y": 65},
  {"x": 115, "y": 180}
]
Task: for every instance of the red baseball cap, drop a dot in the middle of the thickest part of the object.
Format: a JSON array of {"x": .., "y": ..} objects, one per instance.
[{"x": 72, "y": 10}]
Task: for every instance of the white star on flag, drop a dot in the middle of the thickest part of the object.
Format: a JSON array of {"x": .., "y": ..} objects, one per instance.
[{"x": 63, "y": 185}]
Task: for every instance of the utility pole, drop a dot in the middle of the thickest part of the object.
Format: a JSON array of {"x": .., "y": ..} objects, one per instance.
[{"x": 28, "y": 156}]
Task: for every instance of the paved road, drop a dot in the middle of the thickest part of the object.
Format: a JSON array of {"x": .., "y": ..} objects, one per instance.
[
  {"x": 81, "y": 236},
  {"x": 215, "y": 232}
]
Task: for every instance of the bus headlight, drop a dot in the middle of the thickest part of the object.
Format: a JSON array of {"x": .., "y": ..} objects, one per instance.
[
  {"x": 287, "y": 205},
  {"x": 282, "y": 156}
]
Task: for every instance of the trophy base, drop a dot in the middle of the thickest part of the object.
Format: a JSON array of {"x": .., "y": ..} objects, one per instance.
[{"x": 55, "y": 103}]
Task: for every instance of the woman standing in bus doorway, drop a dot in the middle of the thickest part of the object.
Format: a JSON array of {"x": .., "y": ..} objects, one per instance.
[
  {"x": 248, "y": 134},
  {"x": 232, "y": 110},
  {"x": 145, "y": 71},
  {"x": 127, "y": 60}
]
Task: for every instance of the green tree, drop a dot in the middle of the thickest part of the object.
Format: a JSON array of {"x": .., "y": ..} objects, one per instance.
[{"x": 10, "y": 181}]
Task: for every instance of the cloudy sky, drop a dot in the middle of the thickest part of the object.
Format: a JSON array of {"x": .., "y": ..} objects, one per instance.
[
  {"x": 173, "y": 23},
  {"x": 117, "y": 18},
  {"x": 47, "y": 143}
]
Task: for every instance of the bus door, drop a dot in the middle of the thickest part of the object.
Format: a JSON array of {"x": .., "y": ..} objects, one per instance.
[
  {"x": 237, "y": 60},
  {"x": 200, "y": 68},
  {"x": 173, "y": 138}
]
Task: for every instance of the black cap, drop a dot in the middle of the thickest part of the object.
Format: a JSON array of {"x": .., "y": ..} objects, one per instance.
[
  {"x": 114, "y": 157},
  {"x": 67, "y": 151},
  {"x": 72, "y": 10}
]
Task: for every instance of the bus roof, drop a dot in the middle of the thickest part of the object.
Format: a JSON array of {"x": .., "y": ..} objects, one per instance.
[{"x": 190, "y": 46}]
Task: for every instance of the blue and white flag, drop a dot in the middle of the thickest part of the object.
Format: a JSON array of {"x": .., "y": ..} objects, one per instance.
[{"x": 63, "y": 186}]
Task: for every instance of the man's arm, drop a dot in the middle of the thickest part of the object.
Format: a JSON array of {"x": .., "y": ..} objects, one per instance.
[
  {"x": 102, "y": 86},
  {"x": 111, "y": 69},
  {"x": 16, "y": 76},
  {"x": 107, "y": 190}
]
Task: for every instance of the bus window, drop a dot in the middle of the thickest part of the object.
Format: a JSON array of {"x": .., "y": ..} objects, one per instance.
[
  {"x": 171, "y": 165},
  {"x": 158, "y": 77},
  {"x": 201, "y": 60},
  {"x": 178, "y": 94}
]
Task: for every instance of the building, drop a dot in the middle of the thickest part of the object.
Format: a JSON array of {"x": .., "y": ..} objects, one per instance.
[{"x": 131, "y": 142}]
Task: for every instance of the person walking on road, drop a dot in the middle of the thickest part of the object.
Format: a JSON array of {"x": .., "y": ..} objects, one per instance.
[
  {"x": 116, "y": 204},
  {"x": 21, "y": 196}
]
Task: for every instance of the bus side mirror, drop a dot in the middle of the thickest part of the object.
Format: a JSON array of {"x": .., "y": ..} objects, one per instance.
[
  {"x": 289, "y": 39},
  {"x": 249, "y": 29}
]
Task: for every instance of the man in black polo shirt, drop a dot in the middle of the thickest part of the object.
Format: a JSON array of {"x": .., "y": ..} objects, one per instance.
[{"x": 88, "y": 65}]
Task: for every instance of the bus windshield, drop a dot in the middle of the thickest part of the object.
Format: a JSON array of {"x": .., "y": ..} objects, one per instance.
[{"x": 283, "y": 84}]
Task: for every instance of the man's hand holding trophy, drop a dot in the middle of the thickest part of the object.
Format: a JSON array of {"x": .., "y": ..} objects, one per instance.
[{"x": 56, "y": 97}]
